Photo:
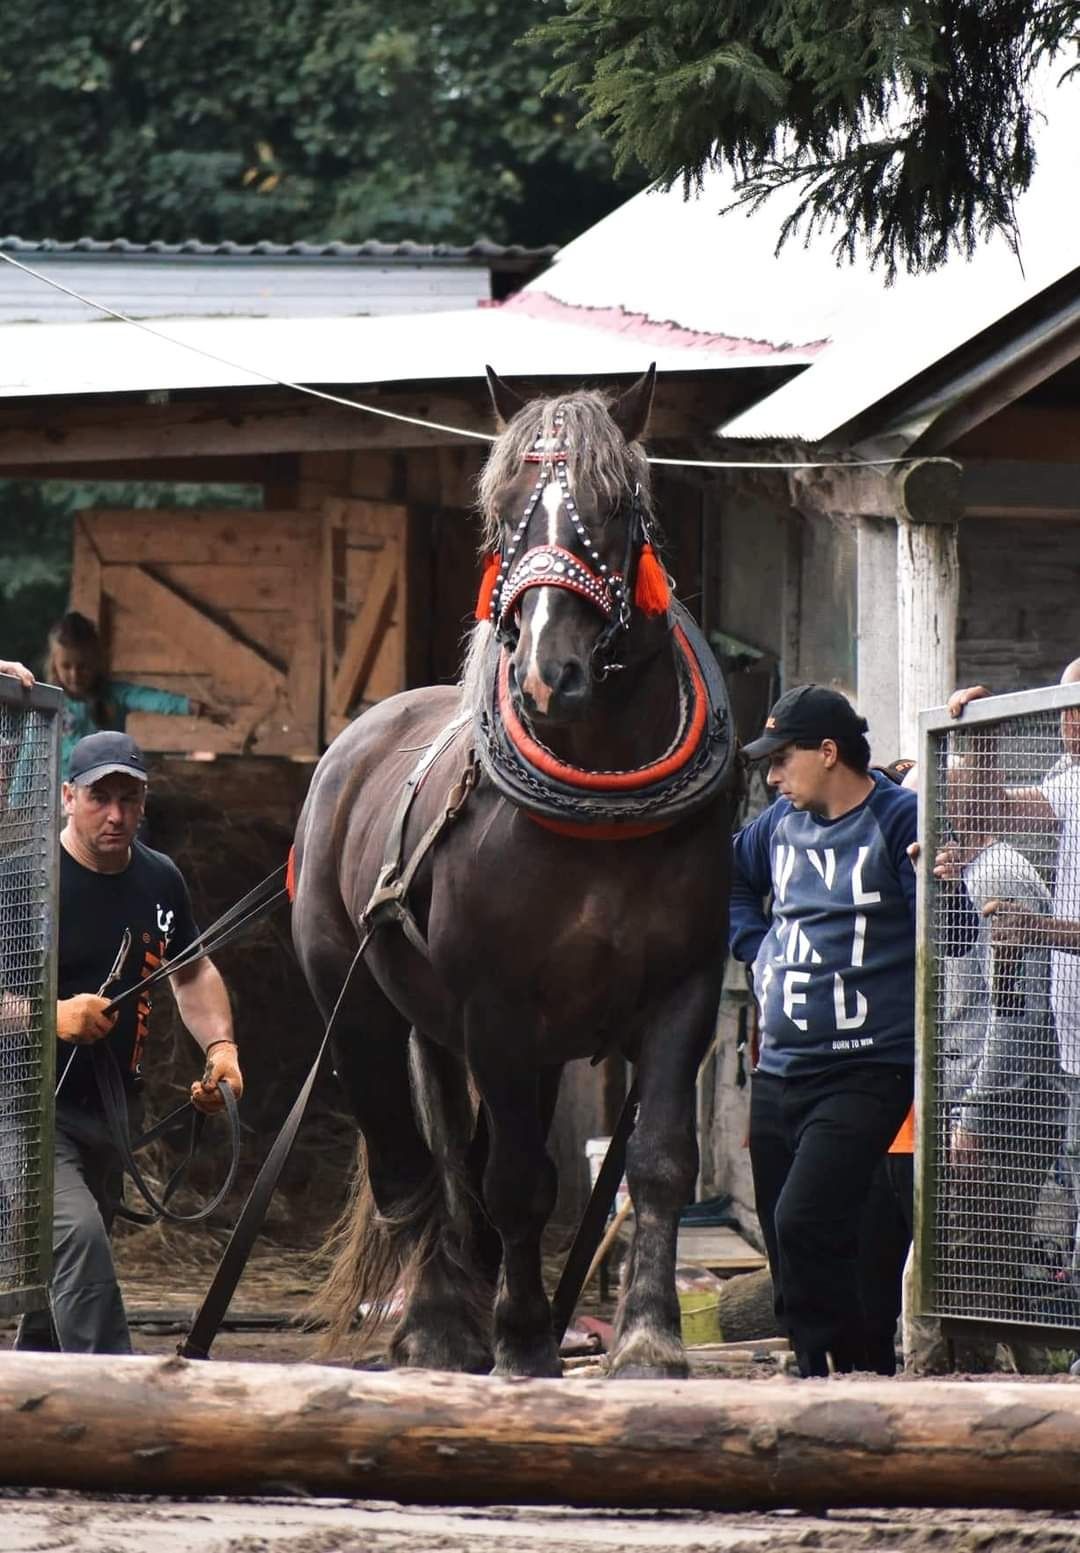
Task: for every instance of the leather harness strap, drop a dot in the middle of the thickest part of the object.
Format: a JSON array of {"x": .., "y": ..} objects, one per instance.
[{"x": 389, "y": 899}]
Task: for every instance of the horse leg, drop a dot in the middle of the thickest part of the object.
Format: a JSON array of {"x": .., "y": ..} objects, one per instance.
[
  {"x": 520, "y": 1185},
  {"x": 661, "y": 1166},
  {"x": 446, "y": 1322},
  {"x": 394, "y": 1219}
]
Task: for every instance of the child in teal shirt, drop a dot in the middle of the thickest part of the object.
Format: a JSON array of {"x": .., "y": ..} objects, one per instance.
[{"x": 92, "y": 701}]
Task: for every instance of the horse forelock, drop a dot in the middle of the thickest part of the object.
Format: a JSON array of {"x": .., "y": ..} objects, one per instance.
[{"x": 598, "y": 455}]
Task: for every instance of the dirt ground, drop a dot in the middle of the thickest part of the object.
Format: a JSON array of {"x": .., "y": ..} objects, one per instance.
[
  {"x": 64, "y": 1523},
  {"x": 161, "y": 1291}
]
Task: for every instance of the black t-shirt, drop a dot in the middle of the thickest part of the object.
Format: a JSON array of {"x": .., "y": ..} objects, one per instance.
[{"x": 149, "y": 897}]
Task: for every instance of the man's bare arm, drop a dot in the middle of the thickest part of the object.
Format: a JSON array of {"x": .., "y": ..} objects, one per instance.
[
  {"x": 1019, "y": 808},
  {"x": 203, "y": 1002}
]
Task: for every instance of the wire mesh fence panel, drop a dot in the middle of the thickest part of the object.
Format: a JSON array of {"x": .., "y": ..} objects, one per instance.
[
  {"x": 998, "y": 1098},
  {"x": 29, "y": 815}
]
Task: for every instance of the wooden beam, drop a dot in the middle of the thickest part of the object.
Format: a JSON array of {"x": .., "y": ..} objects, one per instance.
[
  {"x": 1024, "y": 431},
  {"x": 1061, "y": 349},
  {"x": 1020, "y": 488},
  {"x": 51, "y": 434},
  {"x": 927, "y": 491},
  {"x": 170, "y": 1426},
  {"x": 275, "y": 470},
  {"x": 367, "y": 631}
]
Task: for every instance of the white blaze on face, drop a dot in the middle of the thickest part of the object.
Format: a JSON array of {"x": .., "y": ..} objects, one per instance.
[{"x": 534, "y": 683}]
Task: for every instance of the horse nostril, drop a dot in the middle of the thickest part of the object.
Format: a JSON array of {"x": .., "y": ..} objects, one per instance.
[{"x": 572, "y": 682}]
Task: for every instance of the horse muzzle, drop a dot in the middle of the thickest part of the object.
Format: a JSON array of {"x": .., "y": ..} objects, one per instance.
[{"x": 553, "y": 691}]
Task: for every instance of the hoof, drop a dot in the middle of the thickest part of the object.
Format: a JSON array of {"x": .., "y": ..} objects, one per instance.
[
  {"x": 418, "y": 1350},
  {"x": 650, "y": 1372},
  {"x": 648, "y": 1355},
  {"x": 540, "y": 1362}
]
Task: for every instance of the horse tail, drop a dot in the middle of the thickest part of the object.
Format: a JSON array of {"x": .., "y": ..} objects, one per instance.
[
  {"x": 376, "y": 1259},
  {"x": 429, "y": 1245}
]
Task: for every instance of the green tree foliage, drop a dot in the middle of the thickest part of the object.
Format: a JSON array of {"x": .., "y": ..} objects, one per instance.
[
  {"x": 291, "y": 119},
  {"x": 906, "y": 128}
]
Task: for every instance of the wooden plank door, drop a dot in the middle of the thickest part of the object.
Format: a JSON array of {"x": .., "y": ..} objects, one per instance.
[
  {"x": 365, "y": 561},
  {"x": 218, "y": 604}
]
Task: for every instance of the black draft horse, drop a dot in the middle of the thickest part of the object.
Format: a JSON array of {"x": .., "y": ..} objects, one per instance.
[{"x": 576, "y": 905}]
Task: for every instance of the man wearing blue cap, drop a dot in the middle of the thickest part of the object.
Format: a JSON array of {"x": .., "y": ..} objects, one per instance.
[
  {"x": 123, "y": 909},
  {"x": 833, "y": 966}
]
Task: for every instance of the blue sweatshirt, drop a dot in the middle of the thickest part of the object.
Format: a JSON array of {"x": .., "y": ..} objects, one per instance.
[{"x": 834, "y": 958}]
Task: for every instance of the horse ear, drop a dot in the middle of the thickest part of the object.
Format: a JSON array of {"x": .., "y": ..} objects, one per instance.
[
  {"x": 507, "y": 403},
  {"x": 630, "y": 412}
]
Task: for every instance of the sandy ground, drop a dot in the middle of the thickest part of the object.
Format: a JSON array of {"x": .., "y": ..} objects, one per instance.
[
  {"x": 36, "y": 1521},
  {"x": 62, "y": 1523}
]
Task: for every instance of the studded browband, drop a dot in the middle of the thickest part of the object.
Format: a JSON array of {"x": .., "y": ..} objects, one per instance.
[{"x": 546, "y": 566}]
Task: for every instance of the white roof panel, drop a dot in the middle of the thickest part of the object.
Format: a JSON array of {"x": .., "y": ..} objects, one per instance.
[{"x": 113, "y": 357}]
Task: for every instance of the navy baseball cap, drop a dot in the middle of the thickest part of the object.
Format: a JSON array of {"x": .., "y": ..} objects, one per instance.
[
  {"x": 100, "y": 754},
  {"x": 804, "y": 716}
]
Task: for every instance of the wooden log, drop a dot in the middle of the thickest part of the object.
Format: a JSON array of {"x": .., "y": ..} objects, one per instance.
[
  {"x": 153, "y": 1426},
  {"x": 745, "y": 1307},
  {"x": 926, "y": 491}
]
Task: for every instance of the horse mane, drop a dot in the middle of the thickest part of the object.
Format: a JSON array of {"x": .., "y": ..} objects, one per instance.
[{"x": 600, "y": 457}]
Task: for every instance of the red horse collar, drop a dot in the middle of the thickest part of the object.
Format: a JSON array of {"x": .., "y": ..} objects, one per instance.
[{"x": 541, "y": 759}]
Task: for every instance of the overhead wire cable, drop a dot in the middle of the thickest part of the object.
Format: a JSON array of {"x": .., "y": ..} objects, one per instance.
[{"x": 416, "y": 420}]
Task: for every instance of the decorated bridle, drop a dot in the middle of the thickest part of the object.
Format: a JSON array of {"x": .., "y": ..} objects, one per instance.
[{"x": 508, "y": 574}]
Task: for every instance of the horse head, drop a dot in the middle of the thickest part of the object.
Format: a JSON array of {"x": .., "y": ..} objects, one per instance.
[{"x": 566, "y": 502}]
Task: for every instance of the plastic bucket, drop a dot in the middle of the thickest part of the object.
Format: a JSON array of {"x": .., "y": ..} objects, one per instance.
[
  {"x": 595, "y": 1151},
  {"x": 699, "y": 1312}
]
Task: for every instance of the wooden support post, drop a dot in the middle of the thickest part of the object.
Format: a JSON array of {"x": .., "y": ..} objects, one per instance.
[
  {"x": 154, "y": 1426},
  {"x": 877, "y": 670},
  {"x": 917, "y": 632},
  {"x": 927, "y": 609}
]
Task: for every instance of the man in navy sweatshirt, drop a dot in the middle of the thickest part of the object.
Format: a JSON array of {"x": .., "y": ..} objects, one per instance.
[{"x": 823, "y": 911}]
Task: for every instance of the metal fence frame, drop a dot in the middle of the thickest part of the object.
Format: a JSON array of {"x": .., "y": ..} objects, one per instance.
[
  {"x": 984, "y": 712},
  {"x": 34, "y": 1294}
]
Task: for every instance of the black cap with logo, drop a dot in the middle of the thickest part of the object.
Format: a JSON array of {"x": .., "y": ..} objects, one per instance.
[
  {"x": 804, "y": 716},
  {"x": 100, "y": 754}
]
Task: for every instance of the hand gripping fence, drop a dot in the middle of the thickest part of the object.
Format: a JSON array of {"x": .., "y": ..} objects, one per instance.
[{"x": 997, "y": 1228}]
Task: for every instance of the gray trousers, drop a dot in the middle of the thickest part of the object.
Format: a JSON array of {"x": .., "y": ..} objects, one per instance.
[{"x": 86, "y": 1313}]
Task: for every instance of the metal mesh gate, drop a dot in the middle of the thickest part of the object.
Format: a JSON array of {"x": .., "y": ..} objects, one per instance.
[
  {"x": 998, "y": 1098},
  {"x": 29, "y": 814}
]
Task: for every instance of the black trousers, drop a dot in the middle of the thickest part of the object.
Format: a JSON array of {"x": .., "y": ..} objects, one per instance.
[
  {"x": 815, "y": 1142},
  {"x": 884, "y": 1243}
]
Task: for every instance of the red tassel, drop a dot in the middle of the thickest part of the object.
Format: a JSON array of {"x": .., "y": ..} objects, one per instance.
[
  {"x": 290, "y": 874},
  {"x": 651, "y": 592},
  {"x": 487, "y": 587}
]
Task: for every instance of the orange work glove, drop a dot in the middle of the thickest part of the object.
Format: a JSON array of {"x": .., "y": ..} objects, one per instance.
[{"x": 82, "y": 1020}]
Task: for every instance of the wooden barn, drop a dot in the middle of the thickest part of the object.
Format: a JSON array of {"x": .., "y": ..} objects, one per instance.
[{"x": 356, "y": 577}]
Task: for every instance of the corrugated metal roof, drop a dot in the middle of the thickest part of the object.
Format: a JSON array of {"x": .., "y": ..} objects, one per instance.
[
  {"x": 212, "y": 287},
  {"x": 481, "y": 251}
]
